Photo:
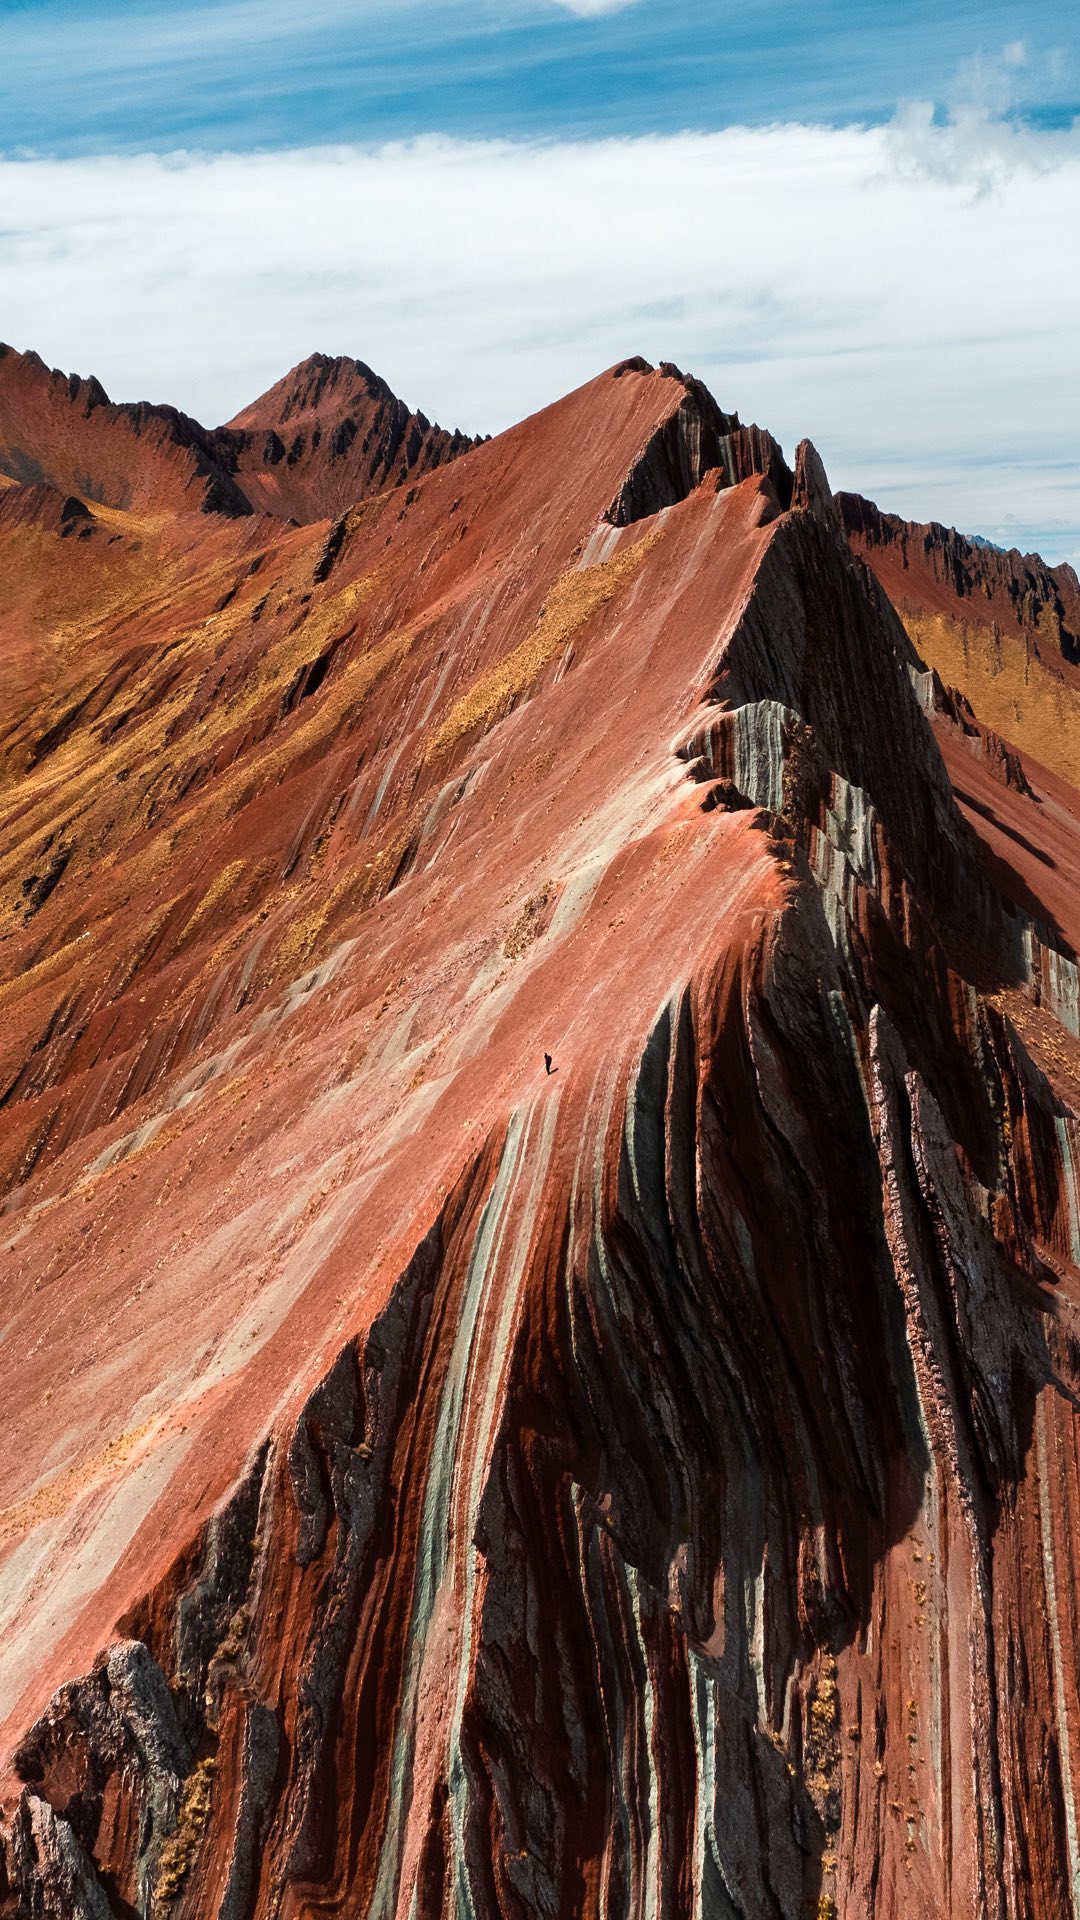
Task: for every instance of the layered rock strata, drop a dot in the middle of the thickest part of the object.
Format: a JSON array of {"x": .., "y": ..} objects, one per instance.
[
  {"x": 931, "y": 568},
  {"x": 442, "y": 1487}
]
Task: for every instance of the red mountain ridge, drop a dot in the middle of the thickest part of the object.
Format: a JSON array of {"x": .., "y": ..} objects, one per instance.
[{"x": 437, "y": 1486}]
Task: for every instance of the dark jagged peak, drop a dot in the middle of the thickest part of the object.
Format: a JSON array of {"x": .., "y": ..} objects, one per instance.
[
  {"x": 62, "y": 431},
  {"x": 330, "y": 433},
  {"x": 697, "y": 437},
  {"x": 811, "y": 492}
]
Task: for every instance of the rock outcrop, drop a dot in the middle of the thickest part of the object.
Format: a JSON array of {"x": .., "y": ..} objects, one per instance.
[{"x": 438, "y": 1486}]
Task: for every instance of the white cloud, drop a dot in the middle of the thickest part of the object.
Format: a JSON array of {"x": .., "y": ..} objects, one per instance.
[
  {"x": 869, "y": 287},
  {"x": 978, "y": 140},
  {"x": 594, "y": 9},
  {"x": 973, "y": 146},
  {"x": 996, "y": 83}
]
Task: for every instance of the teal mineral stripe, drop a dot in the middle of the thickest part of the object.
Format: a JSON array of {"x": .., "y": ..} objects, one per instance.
[
  {"x": 1065, "y": 1137},
  {"x": 433, "y": 1550},
  {"x": 647, "y": 1904},
  {"x": 499, "y": 1305},
  {"x": 1061, "y": 1688}
]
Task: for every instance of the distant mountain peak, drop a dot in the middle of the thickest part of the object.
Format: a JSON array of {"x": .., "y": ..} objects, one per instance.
[
  {"x": 329, "y": 433},
  {"x": 321, "y": 376}
]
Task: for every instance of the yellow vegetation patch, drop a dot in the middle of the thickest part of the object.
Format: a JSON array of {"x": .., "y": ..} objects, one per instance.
[
  {"x": 227, "y": 881},
  {"x": 242, "y": 884},
  {"x": 334, "y": 610},
  {"x": 351, "y": 685},
  {"x": 21, "y": 984},
  {"x": 235, "y": 1635},
  {"x": 275, "y": 666},
  {"x": 822, "y": 1747},
  {"x": 307, "y": 939},
  {"x": 1010, "y": 689},
  {"x": 572, "y": 600},
  {"x": 178, "y": 1853},
  {"x": 80, "y": 767},
  {"x": 148, "y": 865},
  {"x": 531, "y": 922},
  {"x": 300, "y": 944},
  {"x": 53, "y": 1499}
]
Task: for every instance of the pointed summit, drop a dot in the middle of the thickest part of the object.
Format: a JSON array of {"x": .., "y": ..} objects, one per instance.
[
  {"x": 313, "y": 386},
  {"x": 330, "y": 433}
]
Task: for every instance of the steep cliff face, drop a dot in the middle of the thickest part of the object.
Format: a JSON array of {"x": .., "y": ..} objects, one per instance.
[{"x": 443, "y": 1487}]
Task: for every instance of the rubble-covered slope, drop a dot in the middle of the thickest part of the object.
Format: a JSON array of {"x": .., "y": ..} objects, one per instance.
[{"x": 437, "y": 1486}]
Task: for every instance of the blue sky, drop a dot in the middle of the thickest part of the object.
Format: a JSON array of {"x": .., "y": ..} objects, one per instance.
[
  {"x": 76, "y": 77},
  {"x": 854, "y": 221}
]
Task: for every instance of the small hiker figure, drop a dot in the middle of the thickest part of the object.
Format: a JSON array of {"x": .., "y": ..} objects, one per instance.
[{"x": 547, "y": 1063}]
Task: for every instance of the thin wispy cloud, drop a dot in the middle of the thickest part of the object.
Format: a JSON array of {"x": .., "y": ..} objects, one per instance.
[
  {"x": 820, "y": 281},
  {"x": 993, "y": 80},
  {"x": 976, "y": 138},
  {"x": 971, "y": 147},
  {"x": 107, "y": 75},
  {"x": 594, "y": 9}
]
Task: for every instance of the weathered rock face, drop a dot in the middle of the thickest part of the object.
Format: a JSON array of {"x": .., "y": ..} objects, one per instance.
[{"x": 442, "y": 1487}]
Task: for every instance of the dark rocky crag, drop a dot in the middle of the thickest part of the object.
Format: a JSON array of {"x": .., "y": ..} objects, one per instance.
[{"x": 331, "y": 433}]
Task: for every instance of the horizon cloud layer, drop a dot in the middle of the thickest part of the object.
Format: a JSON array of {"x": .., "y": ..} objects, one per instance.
[{"x": 902, "y": 295}]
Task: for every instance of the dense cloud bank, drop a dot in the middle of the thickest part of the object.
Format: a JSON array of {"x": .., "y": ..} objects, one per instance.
[{"x": 903, "y": 293}]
